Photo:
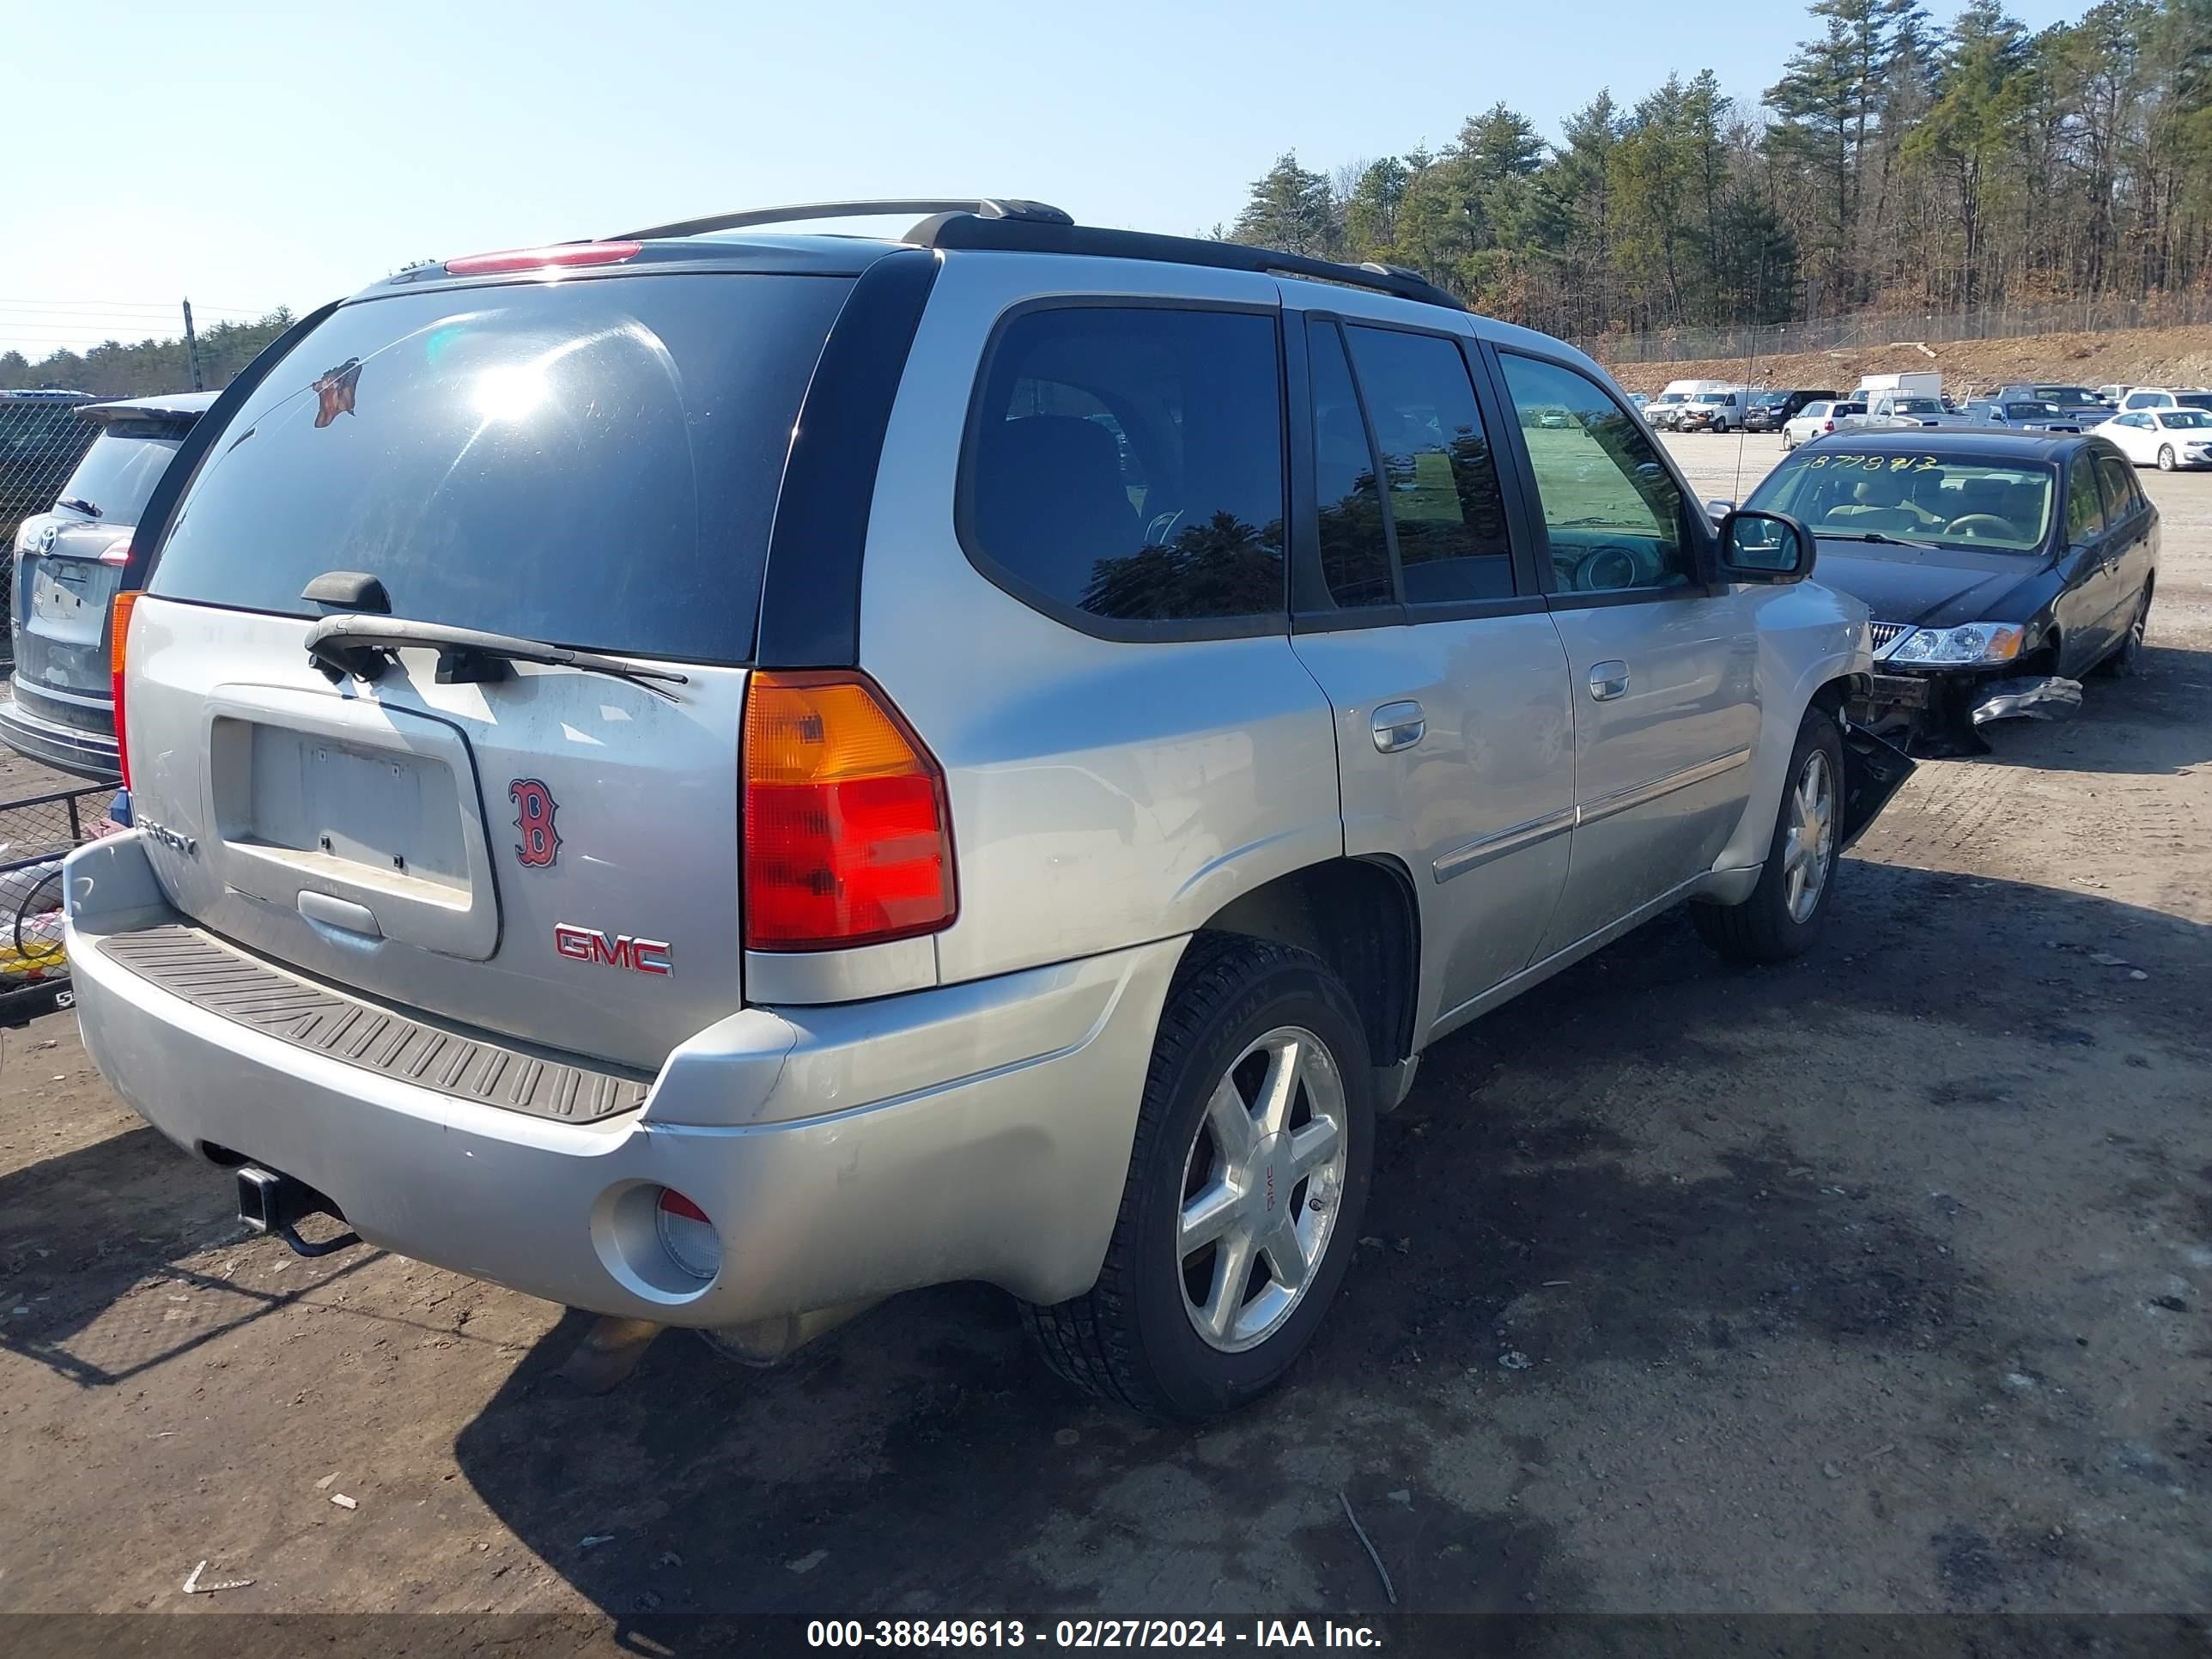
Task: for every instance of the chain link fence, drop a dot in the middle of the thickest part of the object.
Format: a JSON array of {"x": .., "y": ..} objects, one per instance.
[
  {"x": 42, "y": 438},
  {"x": 1867, "y": 330}
]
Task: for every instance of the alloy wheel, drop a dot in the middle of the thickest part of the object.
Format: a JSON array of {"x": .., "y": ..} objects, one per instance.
[
  {"x": 1808, "y": 845},
  {"x": 1260, "y": 1189},
  {"x": 2165, "y": 458}
]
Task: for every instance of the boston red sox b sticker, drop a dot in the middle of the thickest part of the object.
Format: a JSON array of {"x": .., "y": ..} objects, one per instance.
[{"x": 534, "y": 807}]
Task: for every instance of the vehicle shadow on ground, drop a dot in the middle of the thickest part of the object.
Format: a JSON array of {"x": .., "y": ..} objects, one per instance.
[
  {"x": 922, "y": 1461},
  {"x": 2167, "y": 706},
  {"x": 81, "y": 1232}
]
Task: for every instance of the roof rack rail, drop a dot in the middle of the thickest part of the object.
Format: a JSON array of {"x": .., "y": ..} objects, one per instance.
[
  {"x": 1015, "y": 225},
  {"x": 986, "y": 207},
  {"x": 957, "y": 230}
]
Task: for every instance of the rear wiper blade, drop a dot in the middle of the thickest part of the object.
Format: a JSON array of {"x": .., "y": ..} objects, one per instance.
[
  {"x": 78, "y": 504},
  {"x": 363, "y": 647}
]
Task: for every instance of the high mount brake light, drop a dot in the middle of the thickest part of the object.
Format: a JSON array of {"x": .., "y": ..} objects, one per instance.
[
  {"x": 562, "y": 256},
  {"x": 848, "y": 836}
]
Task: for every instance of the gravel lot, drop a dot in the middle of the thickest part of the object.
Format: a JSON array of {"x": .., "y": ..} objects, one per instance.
[{"x": 1875, "y": 1283}]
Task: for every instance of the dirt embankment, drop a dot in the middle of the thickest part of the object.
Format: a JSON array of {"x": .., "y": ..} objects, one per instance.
[{"x": 2143, "y": 357}]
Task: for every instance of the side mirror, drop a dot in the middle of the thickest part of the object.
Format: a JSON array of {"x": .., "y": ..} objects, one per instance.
[
  {"x": 1718, "y": 510},
  {"x": 1765, "y": 547}
]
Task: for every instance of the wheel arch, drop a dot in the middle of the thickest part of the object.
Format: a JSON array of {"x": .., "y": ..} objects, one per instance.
[{"x": 1361, "y": 916}]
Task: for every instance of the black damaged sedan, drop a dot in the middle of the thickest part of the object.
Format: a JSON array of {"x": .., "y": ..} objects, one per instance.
[{"x": 2001, "y": 567}]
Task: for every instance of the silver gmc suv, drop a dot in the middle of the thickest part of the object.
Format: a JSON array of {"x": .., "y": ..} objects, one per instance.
[{"x": 715, "y": 775}]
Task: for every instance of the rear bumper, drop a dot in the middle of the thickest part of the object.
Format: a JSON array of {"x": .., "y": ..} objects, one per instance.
[
  {"x": 66, "y": 748},
  {"x": 978, "y": 1131}
]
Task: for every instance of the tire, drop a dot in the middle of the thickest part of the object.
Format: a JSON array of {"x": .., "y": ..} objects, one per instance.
[
  {"x": 1133, "y": 1339},
  {"x": 2165, "y": 458},
  {"x": 2126, "y": 657},
  {"x": 1774, "y": 924}
]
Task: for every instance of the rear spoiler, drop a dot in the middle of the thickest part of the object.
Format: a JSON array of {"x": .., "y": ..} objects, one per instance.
[
  {"x": 141, "y": 410},
  {"x": 161, "y": 511}
]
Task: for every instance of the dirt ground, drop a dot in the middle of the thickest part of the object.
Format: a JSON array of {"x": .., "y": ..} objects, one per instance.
[
  {"x": 1876, "y": 1283},
  {"x": 2141, "y": 356}
]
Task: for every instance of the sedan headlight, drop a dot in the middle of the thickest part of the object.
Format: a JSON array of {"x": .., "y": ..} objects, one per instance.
[{"x": 1970, "y": 642}]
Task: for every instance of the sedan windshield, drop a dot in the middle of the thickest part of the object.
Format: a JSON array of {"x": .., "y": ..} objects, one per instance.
[
  {"x": 1903, "y": 495},
  {"x": 2185, "y": 419}
]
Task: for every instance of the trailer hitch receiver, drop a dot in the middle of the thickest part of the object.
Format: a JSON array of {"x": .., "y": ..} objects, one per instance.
[{"x": 269, "y": 1202}]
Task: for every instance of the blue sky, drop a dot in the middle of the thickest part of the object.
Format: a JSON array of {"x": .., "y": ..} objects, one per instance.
[{"x": 256, "y": 155}]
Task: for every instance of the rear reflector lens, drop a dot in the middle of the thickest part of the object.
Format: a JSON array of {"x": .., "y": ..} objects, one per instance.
[
  {"x": 689, "y": 1237},
  {"x": 118, "y": 643},
  {"x": 848, "y": 839},
  {"x": 562, "y": 257}
]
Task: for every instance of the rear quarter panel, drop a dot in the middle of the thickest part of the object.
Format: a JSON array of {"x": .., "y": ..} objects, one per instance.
[{"x": 1104, "y": 792}]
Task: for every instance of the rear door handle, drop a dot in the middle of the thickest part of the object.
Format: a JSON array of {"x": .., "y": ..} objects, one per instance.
[
  {"x": 1608, "y": 680},
  {"x": 1399, "y": 725}
]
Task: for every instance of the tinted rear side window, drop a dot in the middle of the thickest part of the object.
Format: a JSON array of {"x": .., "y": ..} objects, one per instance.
[
  {"x": 120, "y": 469},
  {"x": 592, "y": 463},
  {"x": 1444, "y": 497},
  {"x": 1355, "y": 548},
  {"x": 1127, "y": 464}
]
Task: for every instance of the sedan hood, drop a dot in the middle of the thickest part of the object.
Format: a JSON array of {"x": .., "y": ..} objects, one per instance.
[{"x": 1942, "y": 586}]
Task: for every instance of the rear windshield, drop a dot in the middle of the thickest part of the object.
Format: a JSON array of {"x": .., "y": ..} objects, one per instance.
[
  {"x": 591, "y": 463},
  {"x": 1916, "y": 406},
  {"x": 120, "y": 469}
]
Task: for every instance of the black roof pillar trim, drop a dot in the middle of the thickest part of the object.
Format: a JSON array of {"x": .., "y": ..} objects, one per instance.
[{"x": 809, "y": 613}]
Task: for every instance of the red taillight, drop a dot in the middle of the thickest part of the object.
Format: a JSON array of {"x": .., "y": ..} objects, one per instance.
[
  {"x": 848, "y": 838},
  {"x": 1828, "y": 426},
  {"x": 119, "y": 642},
  {"x": 117, "y": 553},
  {"x": 562, "y": 257}
]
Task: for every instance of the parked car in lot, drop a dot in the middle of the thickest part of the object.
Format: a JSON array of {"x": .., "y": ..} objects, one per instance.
[
  {"x": 2001, "y": 567},
  {"x": 1711, "y": 412},
  {"x": 2078, "y": 402},
  {"x": 2021, "y": 414},
  {"x": 1770, "y": 412},
  {"x": 2144, "y": 398},
  {"x": 1907, "y": 409},
  {"x": 1817, "y": 421},
  {"x": 566, "y": 851},
  {"x": 69, "y": 563},
  {"x": 2168, "y": 439}
]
